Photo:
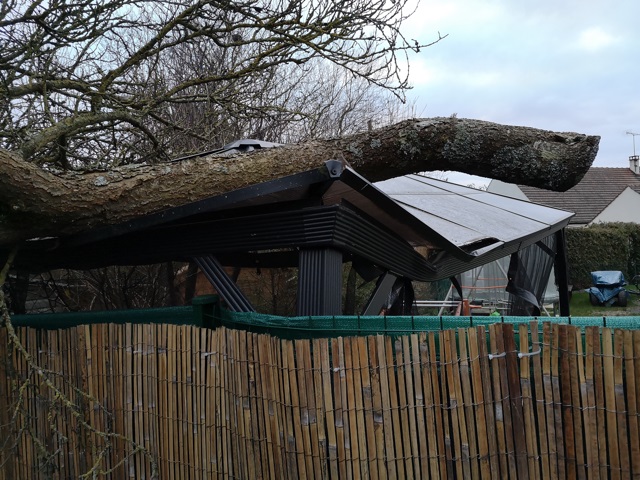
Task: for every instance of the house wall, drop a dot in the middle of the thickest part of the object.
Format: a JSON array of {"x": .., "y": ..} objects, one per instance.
[
  {"x": 625, "y": 208},
  {"x": 506, "y": 189}
]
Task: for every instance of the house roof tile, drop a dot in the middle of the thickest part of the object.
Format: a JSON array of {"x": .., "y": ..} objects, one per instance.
[{"x": 598, "y": 188}]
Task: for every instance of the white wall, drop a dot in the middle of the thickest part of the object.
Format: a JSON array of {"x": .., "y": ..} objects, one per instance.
[
  {"x": 625, "y": 208},
  {"x": 506, "y": 189}
]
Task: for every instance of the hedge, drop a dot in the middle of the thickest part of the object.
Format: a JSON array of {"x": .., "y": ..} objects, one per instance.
[{"x": 606, "y": 246}]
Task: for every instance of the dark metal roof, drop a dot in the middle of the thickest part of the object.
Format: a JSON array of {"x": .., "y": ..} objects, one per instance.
[
  {"x": 330, "y": 206},
  {"x": 473, "y": 220},
  {"x": 598, "y": 188}
]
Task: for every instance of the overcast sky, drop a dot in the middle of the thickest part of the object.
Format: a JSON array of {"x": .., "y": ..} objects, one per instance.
[{"x": 560, "y": 65}]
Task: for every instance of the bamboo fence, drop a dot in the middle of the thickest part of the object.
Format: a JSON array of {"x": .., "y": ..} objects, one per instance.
[{"x": 181, "y": 402}]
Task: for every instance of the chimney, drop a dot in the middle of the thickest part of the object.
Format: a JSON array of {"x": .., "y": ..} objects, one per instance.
[{"x": 634, "y": 161}]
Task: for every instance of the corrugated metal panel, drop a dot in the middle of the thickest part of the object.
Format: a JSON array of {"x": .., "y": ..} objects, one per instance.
[{"x": 320, "y": 282}]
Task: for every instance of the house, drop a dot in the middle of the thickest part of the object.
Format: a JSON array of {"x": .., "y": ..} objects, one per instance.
[{"x": 603, "y": 195}]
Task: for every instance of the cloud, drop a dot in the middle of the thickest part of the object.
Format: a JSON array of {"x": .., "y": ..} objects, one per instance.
[
  {"x": 595, "y": 39},
  {"x": 566, "y": 66}
]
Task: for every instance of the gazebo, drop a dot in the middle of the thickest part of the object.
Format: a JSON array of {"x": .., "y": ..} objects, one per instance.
[{"x": 410, "y": 228}]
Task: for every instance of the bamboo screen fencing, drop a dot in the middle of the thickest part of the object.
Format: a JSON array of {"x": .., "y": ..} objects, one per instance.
[{"x": 180, "y": 402}]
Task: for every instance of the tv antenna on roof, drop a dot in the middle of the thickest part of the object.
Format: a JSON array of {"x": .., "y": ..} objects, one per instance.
[{"x": 634, "y": 141}]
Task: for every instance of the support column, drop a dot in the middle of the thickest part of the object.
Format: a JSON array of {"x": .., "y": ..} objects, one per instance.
[
  {"x": 320, "y": 282},
  {"x": 561, "y": 271}
]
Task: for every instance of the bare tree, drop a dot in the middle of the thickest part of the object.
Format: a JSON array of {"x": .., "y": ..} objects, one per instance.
[{"x": 90, "y": 82}]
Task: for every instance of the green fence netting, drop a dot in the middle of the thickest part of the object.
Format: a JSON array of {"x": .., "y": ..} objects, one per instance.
[{"x": 207, "y": 312}]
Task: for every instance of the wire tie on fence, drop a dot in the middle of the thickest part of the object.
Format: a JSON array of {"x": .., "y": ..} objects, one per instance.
[
  {"x": 208, "y": 354},
  {"x": 497, "y": 355},
  {"x": 529, "y": 354}
]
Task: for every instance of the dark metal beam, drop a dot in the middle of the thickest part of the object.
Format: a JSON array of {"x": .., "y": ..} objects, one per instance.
[
  {"x": 380, "y": 295},
  {"x": 224, "y": 285}
]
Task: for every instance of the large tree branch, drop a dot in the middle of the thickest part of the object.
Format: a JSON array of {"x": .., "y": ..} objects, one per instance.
[{"x": 34, "y": 202}]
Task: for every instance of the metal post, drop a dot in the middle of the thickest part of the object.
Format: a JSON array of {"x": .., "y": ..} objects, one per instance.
[{"x": 562, "y": 272}]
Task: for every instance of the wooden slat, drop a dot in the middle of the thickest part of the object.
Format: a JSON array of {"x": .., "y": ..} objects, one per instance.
[
  {"x": 319, "y": 351},
  {"x": 256, "y": 413},
  {"x": 367, "y": 404},
  {"x": 160, "y": 359},
  {"x": 235, "y": 405},
  {"x": 417, "y": 368},
  {"x": 212, "y": 393},
  {"x": 128, "y": 414},
  {"x": 540, "y": 410},
  {"x": 302, "y": 365},
  {"x": 329, "y": 407},
  {"x": 351, "y": 425},
  {"x": 244, "y": 408},
  {"x": 503, "y": 405},
  {"x": 467, "y": 398},
  {"x": 621, "y": 407},
  {"x": 527, "y": 402},
  {"x": 479, "y": 403},
  {"x": 295, "y": 461},
  {"x": 105, "y": 382},
  {"x": 567, "y": 413},
  {"x": 152, "y": 396},
  {"x": 72, "y": 395},
  {"x": 394, "y": 405},
  {"x": 142, "y": 411},
  {"x": 598, "y": 369},
  {"x": 356, "y": 414},
  {"x": 91, "y": 369},
  {"x": 411, "y": 402},
  {"x": 270, "y": 446},
  {"x": 575, "y": 357},
  {"x": 515, "y": 396},
  {"x": 441, "y": 411},
  {"x": 547, "y": 383},
  {"x": 592, "y": 334},
  {"x": 440, "y": 382},
  {"x": 634, "y": 419},
  {"x": 405, "y": 425},
  {"x": 455, "y": 404},
  {"x": 489, "y": 399},
  {"x": 340, "y": 395},
  {"x": 435, "y": 435},
  {"x": 269, "y": 451},
  {"x": 283, "y": 410},
  {"x": 7, "y": 471},
  {"x": 376, "y": 400},
  {"x": 390, "y": 454},
  {"x": 582, "y": 362},
  {"x": 43, "y": 406},
  {"x": 610, "y": 404},
  {"x": 314, "y": 400},
  {"x": 557, "y": 401},
  {"x": 226, "y": 461},
  {"x": 202, "y": 442}
]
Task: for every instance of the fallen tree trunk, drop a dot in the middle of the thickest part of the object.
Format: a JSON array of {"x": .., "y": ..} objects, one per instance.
[{"x": 34, "y": 202}]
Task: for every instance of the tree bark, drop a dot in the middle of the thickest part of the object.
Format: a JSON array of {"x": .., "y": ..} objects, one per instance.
[{"x": 36, "y": 203}]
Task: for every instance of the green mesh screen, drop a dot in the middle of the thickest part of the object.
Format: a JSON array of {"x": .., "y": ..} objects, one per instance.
[{"x": 208, "y": 313}]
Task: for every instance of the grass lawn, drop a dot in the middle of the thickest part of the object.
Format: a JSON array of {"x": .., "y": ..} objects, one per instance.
[{"x": 581, "y": 307}]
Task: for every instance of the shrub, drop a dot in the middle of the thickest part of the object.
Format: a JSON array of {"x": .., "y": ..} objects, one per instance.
[{"x": 606, "y": 246}]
